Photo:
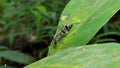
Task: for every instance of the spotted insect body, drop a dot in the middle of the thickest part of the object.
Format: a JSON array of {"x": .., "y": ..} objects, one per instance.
[{"x": 62, "y": 33}]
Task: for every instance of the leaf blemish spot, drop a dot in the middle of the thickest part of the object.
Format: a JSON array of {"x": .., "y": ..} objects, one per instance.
[
  {"x": 84, "y": 50},
  {"x": 115, "y": 54},
  {"x": 64, "y": 17}
]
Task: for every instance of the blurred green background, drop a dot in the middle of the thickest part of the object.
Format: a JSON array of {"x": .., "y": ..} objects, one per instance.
[{"x": 28, "y": 26}]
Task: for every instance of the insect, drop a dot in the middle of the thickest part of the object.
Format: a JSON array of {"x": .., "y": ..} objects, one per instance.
[{"x": 62, "y": 33}]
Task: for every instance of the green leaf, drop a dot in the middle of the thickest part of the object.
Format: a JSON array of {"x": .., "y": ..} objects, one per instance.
[
  {"x": 106, "y": 34},
  {"x": 91, "y": 16},
  {"x": 6, "y": 66},
  {"x": 105, "y": 40},
  {"x": 16, "y": 56},
  {"x": 3, "y": 47},
  {"x": 95, "y": 56},
  {"x": 41, "y": 8},
  {"x": 12, "y": 36},
  {"x": 3, "y": 2}
]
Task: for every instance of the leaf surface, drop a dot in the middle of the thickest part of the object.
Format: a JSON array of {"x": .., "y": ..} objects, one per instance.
[
  {"x": 91, "y": 16},
  {"x": 93, "y": 56},
  {"x": 16, "y": 56}
]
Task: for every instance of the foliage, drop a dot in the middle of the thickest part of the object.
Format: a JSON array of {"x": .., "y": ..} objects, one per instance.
[
  {"x": 22, "y": 17},
  {"x": 90, "y": 19},
  {"x": 16, "y": 56},
  {"x": 29, "y": 25},
  {"x": 33, "y": 21},
  {"x": 92, "y": 56}
]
